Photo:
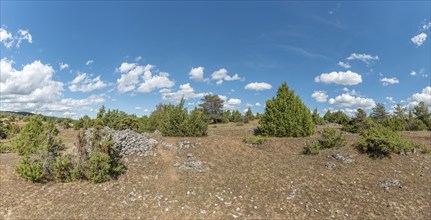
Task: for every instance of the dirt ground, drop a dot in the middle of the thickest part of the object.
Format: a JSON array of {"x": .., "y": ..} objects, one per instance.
[{"x": 272, "y": 181}]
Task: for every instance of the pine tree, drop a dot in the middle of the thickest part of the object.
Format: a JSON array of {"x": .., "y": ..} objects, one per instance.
[
  {"x": 422, "y": 113},
  {"x": 249, "y": 114},
  {"x": 286, "y": 116},
  {"x": 379, "y": 113},
  {"x": 316, "y": 118},
  {"x": 212, "y": 105}
]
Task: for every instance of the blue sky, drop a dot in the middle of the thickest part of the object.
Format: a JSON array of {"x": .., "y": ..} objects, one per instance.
[{"x": 68, "y": 58}]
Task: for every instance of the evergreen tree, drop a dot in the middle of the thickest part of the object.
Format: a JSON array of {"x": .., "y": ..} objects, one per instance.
[
  {"x": 422, "y": 113},
  {"x": 212, "y": 105},
  {"x": 316, "y": 118},
  {"x": 249, "y": 114},
  {"x": 379, "y": 113},
  {"x": 286, "y": 116},
  {"x": 400, "y": 111},
  {"x": 236, "y": 116}
]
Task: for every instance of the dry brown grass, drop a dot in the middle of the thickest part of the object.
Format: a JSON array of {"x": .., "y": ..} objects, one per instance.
[{"x": 272, "y": 181}]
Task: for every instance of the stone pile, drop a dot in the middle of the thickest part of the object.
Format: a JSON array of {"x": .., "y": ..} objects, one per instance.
[
  {"x": 191, "y": 164},
  {"x": 130, "y": 142},
  {"x": 390, "y": 183},
  {"x": 343, "y": 158}
]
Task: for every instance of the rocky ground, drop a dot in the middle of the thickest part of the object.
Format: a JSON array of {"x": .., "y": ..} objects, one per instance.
[{"x": 220, "y": 177}]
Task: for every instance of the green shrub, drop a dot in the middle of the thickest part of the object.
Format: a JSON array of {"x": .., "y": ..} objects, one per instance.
[
  {"x": 425, "y": 150},
  {"x": 254, "y": 140},
  {"x": 239, "y": 124},
  {"x": 286, "y": 116},
  {"x": 31, "y": 168},
  {"x": 63, "y": 168},
  {"x": 99, "y": 167},
  {"x": 331, "y": 139},
  {"x": 395, "y": 124},
  {"x": 177, "y": 122},
  {"x": 380, "y": 142},
  {"x": 311, "y": 148},
  {"x": 6, "y": 147}
]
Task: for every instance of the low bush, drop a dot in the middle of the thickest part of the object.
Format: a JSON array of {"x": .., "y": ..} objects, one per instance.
[
  {"x": 63, "y": 168},
  {"x": 254, "y": 140},
  {"x": 330, "y": 139},
  {"x": 32, "y": 168},
  {"x": 380, "y": 141},
  {"x": 239, "y": 124},
  {"x": 311, "y": 148}
]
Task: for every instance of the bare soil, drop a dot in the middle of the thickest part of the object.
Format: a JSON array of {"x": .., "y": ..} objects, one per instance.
[{"x": 270, "y": 181}]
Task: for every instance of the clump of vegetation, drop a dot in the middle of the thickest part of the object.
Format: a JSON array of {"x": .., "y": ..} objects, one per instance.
[
  {"x": 425, "y": 150},
  {"x": 62, "y": 168},
  {"x": 337, "y": 117},
  {"x": 317, "y": 120},
  {"x": 239, "y": 123},
  {"x": 311, "y": 148},
  {"x": 177, "y": 122},
  {"x": 380, "y": 141},
  {"x": 212, "y": 107},
  {"x": 358, "y": 123},
  {"x": 329, "y": 139},
  {"x": 286, "y": 116},
  {"x": 255, "y": 140}
]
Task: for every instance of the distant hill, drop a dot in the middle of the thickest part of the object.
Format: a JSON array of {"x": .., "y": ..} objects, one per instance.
[{"x": 10, "y": 113}]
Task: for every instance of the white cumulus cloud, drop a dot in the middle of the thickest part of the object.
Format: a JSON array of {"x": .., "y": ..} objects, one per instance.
[
  {"x": 413, "y": 73},
  {"x": 419, "y": 39},
  {"x": 222, "y": 75},
  {"x": 83, "y": 83},
  {"x": 258, "y": 86},
  {"x": 320, "y": 96},
  {"x": 347, "y": 100},
  {"x": 89, "y": 62},
  {"x": 8, "y": 40},
  {"x": 424, "y": 96},
  {"x": 340, "y": 78},
  {"x": 137, "y": 78},
  {"x": 185, "y": 91},
  {"x": 63, "y": 66},
  {"x": 197, "y": 74},
  {"x": 389, "y": 81},
  {"x": 23, "y": 35},
  {"x": 258, "y": 104},
  {"x": 344, "y": 65},
  {"x": 232, "y": 104},
  {"x": 366, "y": 58}
]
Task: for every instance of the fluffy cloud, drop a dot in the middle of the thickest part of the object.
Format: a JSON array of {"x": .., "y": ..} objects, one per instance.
[
  {"x": 63, "y": 66},
  {"x": 8, "y": 40},
  {"x": 232, "y": 104},
  {"x": 320, "y": 96},
  {"x": 340, "y": 78},
  {"x": 33, "y": 83},
  {"x": 258, "y": 104},
  {"x": 424, "y": 96},
  {"x": 32, "y": 89},
  {"x": 389, "y": 81},
  {"x": 83, "y": 83},
  {"x": 197, "y": 74},
  {"x": 221, "y": 75},
  {"x": 344, "y": 65},
  {"x": 413, "y": 73},
  {"x": 89, "y": 62},
  {"x": 346, "y": 100},
  {"x": 185, "y": 91},
  {"x": 23, "y": 35},
  {"x": 419, "y": 39},
  {"x": 140, "y": 78},
  {"x": 258, "y": 86},
  {"x": 366, "y": 58}
]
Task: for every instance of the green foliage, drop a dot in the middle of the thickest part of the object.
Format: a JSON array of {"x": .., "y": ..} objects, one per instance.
[
  {"x": 330, "y": 139},
  {"x": 379, "y": 113},
  {"x": 6, "y": 147},
  {"x": 425, "y": 150},
  {"x": 311, "y": 148},
  {"x": 239, "y": 123},
  {"x": 380, "y": 142},
  {"x": 254, "y": 140},
  {"x": 395, "y": 124},
  {"x": 63, "y": 168},
  {"x": 422, "y": 113},
  {"x": 249, "y": 115},
  {"x": 337, "y": 117},
  {"x": 36, "y": 135},
  {"x": 317, "y": 120},
  {"x": 8, "y": 129},
  {"x": 177, "y": 122},
  {"x": 358, "y": 123},
  {"x": 414, "y": 124},
  {"x": 236, "y": 116},
  {"x": 212, "y": 106},
  {"x": 286, "y": 116},
  {"x": 99, "y": 167},
  {"x": 31, "y": 168}
]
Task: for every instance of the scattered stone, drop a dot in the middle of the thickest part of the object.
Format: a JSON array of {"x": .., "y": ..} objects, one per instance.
[
  {"x": 191, "y": 164},
  {"x": 390, "y": 183},
  {"x": 330, "y": 165},
  {"x": 130, "y": 142},
  {"x": 343, "y": 158},
  {"x": 293, "y": 194}
]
